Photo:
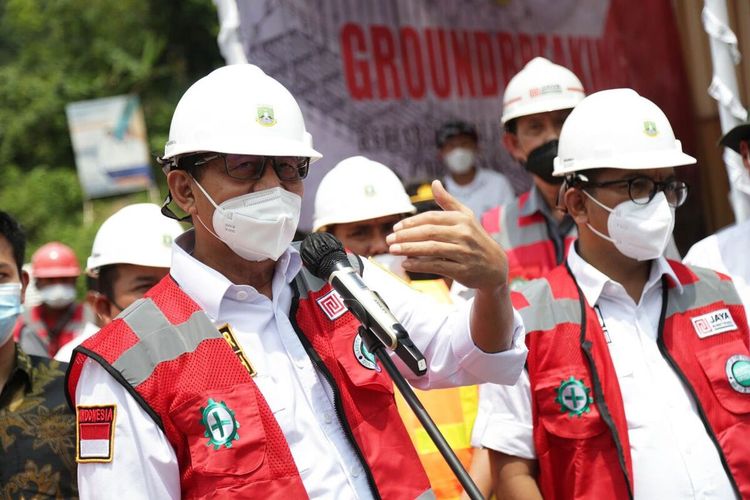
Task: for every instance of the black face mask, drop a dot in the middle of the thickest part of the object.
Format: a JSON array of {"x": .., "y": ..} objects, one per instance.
[{"x": 540, "y": 162}]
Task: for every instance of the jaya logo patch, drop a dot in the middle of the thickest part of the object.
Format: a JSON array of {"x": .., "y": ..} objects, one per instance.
[
  {"x": 95, "y": 433},
  {"x": 713, "y": 323}
]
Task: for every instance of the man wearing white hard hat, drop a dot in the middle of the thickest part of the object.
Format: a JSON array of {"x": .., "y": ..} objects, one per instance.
[
  {"x": 131, "y": 253},
  {"x": 359, "y": 201},
  {"x": 533, "y": 233},
  {"x": 725, "y": 250},
  {"x": 241, "y": 375},
  {"x": 638, "y": 375}
]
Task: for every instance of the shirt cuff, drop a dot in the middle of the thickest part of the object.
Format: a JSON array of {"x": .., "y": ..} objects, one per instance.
[{"x": 500, "y": 367}]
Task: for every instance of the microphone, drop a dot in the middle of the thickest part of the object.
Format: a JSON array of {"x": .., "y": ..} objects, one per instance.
[{"x": 324, "y": 257}]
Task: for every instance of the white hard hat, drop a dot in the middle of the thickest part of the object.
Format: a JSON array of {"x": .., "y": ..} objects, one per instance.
[
  {"x": 358, "y": 189},
  {"x": 617, "y": 129},
  {"x": 541, "y": 86},
  {"x": 238, "y": 109},
  {"x": 136, "y": 234}
]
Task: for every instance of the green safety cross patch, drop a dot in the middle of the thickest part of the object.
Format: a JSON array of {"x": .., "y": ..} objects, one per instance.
[
  {"x": 573, "y": 397},
  {"x": 221, "y": 426},
  {"x": 363, "y": 355},
  {"x": 738, "y": 373}
]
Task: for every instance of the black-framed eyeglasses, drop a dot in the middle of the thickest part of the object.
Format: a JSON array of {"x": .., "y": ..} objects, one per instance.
[
  {"x": 642, "y": 189},
  {"x": 251, "y": 167}
]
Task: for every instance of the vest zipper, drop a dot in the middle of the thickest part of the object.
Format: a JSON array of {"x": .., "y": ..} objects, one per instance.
[
  {"x": 323, "y": 369},
  {"x": 686, "y": 383},
  {"x": 598, "y": 392}
]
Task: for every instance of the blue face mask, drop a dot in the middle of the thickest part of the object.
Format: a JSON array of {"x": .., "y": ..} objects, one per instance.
[{"x": 10, "y": 309}]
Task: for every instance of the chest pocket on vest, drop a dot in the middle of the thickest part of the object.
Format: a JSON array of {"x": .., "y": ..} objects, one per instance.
[
  {"x": 224, "y": 431},
  {"x": 564, "y": 401},
  {"x": 368, "y": 380},
  {"x": 725, "y": 361}
]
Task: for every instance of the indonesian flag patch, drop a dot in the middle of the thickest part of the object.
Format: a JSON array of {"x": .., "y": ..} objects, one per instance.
[{"x": 95, "y": 433}]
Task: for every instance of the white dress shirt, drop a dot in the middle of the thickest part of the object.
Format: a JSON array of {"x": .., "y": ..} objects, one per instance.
[
  {"x": 726, "y": 252},
  {"x": 488, "y": 189},
  {"x": 145, "y": 465},
  {"x": 673, "y": 456}
]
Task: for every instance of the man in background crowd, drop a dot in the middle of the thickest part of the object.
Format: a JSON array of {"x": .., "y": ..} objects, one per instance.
[
  {"x": 37, "y": 436},
  {"x": 533, "y": 233},
  {"x": 359, "y": 201},
  {"x": 132, "y": 251},
  {"x": 478, "y": 188},
  {"x": 43, "y": 329},
  {"x": 726, "y": 251}
]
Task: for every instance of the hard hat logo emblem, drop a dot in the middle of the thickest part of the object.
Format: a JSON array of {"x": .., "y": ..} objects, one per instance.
[
  {"x": 649, "y": 128},
  {"x": 265, "y": 116},
  {"x": 369, "y": 190}
]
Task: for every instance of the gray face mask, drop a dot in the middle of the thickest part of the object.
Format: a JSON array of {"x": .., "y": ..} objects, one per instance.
[{"x": 641, "y": 232}]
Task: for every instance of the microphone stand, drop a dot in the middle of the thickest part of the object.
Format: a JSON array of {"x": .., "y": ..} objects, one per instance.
[{"x": 376, "y": 347}]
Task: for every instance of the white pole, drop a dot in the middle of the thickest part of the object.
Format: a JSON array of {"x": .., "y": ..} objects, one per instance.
[
  {"x": 725, "y": 56},
  {"x": 229, "y": 39}
]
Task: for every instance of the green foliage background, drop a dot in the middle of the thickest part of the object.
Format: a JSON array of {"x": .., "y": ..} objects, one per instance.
[{"x": 53, "y": 52}]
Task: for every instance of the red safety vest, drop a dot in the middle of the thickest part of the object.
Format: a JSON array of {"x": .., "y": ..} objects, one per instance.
[
  {"x": 34, "y": 336},
  {"x": 580, "y": 430},
  {"x": 178, "y": 366},
  {"x": 528, "y": 247}
]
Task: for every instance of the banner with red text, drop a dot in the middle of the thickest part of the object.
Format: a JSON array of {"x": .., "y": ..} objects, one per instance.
[{"x": 378, "y": 77}]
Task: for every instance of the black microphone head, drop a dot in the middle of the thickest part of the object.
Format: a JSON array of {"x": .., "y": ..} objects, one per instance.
[{"x": 321, "y": 252}]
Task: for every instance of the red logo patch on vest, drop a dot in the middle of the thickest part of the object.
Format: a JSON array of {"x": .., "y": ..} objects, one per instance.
[
  {"x": 95, "y": 433},
  {"x": 332, "y": 304}
]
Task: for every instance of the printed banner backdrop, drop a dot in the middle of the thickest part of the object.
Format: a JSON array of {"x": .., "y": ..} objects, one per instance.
[
  {"x": 111, "y": 150},
  {"x": 378, "y": 77}
]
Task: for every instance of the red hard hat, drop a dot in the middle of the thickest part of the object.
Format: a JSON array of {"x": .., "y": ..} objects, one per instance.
[{"x": 54, "y": 260}]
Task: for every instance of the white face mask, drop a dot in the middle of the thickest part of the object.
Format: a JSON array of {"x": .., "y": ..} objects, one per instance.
[
  {"x": 10, "y": 309},
  {"x": 391, "y": 263},
  {"x": 256, "y": 226},
  {"x": 460, "y": 160},
  {"x": 640, "y": 232},
  {"x": 58, "y": 296}
]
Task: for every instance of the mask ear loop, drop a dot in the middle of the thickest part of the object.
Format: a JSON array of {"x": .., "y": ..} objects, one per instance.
[{"x": 208, "y": 197}]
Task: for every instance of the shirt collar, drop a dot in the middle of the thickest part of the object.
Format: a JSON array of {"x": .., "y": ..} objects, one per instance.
[
  {"x": 206, "y": 285},
  {"x": 534, "y": 203},
  {"x": 592, "y": 281}
]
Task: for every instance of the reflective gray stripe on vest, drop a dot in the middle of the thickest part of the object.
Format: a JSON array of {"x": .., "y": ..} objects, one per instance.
[
  {"x": 159, "y": 341},
  {"x": 305, "y": 282},
  {"x": 544, "y": 312},
  {"x": 427, "y": 495},
  {"x": 513, "y": 236},
  {"x": 709, "y": 289}
]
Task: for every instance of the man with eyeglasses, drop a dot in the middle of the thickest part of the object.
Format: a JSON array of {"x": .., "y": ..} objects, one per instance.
[
  {"x": 240, "y": 374},
  {"x": 637, "y": 382}
]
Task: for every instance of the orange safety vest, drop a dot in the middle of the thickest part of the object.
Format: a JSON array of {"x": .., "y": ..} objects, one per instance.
[
  {"x": 580, "y": 430},
  {"x": 525, "y": 239},
  {"x": 166, "y": 352},
  {"x": 453, "y": 410}
]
